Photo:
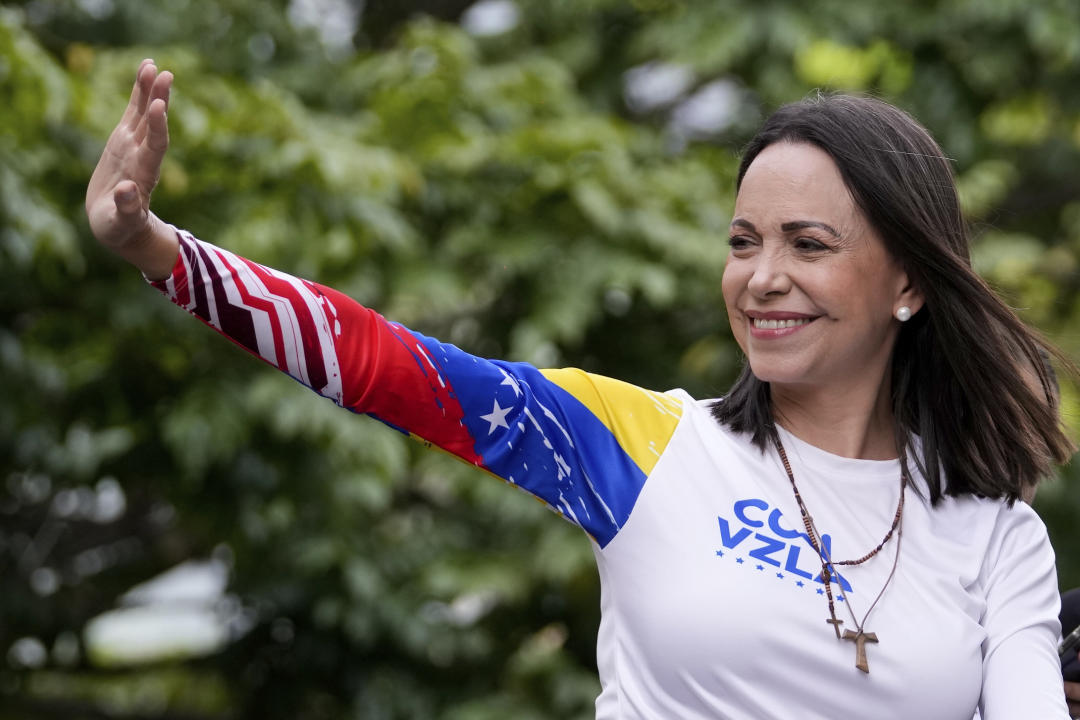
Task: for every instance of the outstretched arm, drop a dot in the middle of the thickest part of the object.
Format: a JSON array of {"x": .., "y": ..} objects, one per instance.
[
  {"x": 118, "y": 196},
  {"x": 581, "y": 443}
]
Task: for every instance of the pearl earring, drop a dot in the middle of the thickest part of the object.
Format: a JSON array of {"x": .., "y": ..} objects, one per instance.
[{"x": 903, "y": 313}]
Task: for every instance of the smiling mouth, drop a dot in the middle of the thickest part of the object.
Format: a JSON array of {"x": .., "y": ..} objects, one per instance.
[{"x": 763, "y": 324}]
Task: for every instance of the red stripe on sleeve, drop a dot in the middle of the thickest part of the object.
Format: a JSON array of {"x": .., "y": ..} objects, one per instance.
[{"x": 384, "y": 374}]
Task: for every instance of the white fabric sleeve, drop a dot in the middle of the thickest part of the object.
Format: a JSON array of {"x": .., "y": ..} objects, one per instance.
[{"x": 1021, "y": 670}]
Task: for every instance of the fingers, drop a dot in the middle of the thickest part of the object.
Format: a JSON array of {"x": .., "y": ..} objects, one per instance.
[
  {"x": 140, "y": 91},
  {"x": 157, "y": 135},
  {"x": 152, "y": 127},
  {"x": 143, "y": 144},
  {"x": 161, "y": 87},
  {"x": 159, "y": 91},
  {"x": 133, "y": 102},
  {"x": 152, "y": 87},
  {"x": 118, "y": 194},
  {"x": 1072, "y": 697}
]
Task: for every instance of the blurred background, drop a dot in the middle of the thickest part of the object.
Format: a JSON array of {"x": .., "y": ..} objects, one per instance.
[{"x": 186, "y": 534}]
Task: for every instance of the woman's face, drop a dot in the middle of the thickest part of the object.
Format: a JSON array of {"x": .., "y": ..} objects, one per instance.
[{"x": 809, "y": 287}]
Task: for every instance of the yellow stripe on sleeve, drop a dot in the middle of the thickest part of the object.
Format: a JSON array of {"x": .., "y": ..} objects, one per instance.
[{"x": 642, "y": 421}]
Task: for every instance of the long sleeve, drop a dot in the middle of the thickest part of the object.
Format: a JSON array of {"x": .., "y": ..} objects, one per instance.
[
  {"x": 1021, "y": 672},
  {"x": 582, "y": 443}
]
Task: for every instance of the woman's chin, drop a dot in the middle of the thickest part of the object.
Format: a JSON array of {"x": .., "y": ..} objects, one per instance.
[{"x": 780, "y": 376}]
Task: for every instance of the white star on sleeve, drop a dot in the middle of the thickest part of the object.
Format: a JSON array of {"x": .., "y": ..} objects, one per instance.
[
  {"x": 497, "y": 417},
  {"x": 511, "y": 381}
]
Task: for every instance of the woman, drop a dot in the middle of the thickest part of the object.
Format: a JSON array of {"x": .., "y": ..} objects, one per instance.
[{"x": 837, "y": 537}]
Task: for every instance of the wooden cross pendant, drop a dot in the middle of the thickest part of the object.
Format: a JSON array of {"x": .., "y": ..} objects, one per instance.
[
  {"x": 860, "y": 638},
  {"x": 836, "y": 626}
]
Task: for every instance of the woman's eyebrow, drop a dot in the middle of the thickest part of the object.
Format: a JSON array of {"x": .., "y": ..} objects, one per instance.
[
  {"x": 803, "y": 224},
  {"x": 789, "y": 226}
]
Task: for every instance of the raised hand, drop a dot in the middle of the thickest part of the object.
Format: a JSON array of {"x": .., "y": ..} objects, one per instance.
[{"x": 118, "y": 196}]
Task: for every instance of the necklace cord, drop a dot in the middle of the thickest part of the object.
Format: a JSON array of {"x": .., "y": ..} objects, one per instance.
[{"x": 828, "y": 566}]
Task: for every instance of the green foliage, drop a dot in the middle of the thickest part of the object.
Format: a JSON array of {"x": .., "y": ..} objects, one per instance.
[{"x": 495, "y": 192}]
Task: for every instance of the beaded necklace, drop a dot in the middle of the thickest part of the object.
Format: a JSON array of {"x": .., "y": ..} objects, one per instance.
[{"x": 859, "y": 636}]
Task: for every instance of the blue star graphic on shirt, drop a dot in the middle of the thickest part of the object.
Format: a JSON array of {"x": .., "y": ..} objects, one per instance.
[
  {"x": 820, "y": 591},
  {"x": 780, "y": 575},
  {"x": 719, "y": 553},
  {"x": 760, "y": 567},
  {"x": 739, "y": 560},
  {"x": 800, "y": 583},
  {"x": 840, "y": 599}
]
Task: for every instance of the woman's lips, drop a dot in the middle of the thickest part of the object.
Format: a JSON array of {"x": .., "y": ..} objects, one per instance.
[{"x": 776, "y": 325}]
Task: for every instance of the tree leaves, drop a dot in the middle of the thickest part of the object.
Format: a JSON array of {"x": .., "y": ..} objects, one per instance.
[{"x": 494, "y": 191}]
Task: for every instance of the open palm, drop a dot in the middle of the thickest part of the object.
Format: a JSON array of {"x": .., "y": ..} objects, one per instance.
[{"x": 118, "y": 196}]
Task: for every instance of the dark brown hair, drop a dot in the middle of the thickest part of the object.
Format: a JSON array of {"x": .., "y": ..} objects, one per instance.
[{"x": 963, "y": 366}]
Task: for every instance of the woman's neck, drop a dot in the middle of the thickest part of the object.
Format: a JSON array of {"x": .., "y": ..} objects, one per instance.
[{"x": 852, "y": 423}]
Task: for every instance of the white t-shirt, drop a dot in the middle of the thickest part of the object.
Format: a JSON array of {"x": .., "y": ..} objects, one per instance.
[
  {"x": 712, "y": 602},
  {"x": 713, "y": 607}
]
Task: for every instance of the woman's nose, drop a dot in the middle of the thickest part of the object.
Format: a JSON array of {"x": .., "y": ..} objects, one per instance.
[{"x": 769, "y": 276}]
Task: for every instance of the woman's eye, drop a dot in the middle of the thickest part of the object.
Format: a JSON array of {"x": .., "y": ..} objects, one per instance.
[
  {"x": 739, "y": 242},
  {"x": 806, "y": 243}
]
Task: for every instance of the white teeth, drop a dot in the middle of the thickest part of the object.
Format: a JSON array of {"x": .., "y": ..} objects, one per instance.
[{"x": 762, "y": 324}]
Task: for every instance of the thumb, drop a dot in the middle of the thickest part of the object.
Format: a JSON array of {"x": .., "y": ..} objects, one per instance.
[{"x": 126, "y": 197}]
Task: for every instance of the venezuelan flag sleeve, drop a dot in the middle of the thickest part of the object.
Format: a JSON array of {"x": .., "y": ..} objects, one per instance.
[{"x": 582, "y": 443}]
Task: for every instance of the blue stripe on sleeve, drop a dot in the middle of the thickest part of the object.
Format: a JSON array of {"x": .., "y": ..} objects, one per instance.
[{"x": 533, "y": 434}]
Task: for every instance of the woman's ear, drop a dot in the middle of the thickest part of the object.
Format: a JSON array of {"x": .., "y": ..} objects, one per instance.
[{"x": 908, "y": 295}]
